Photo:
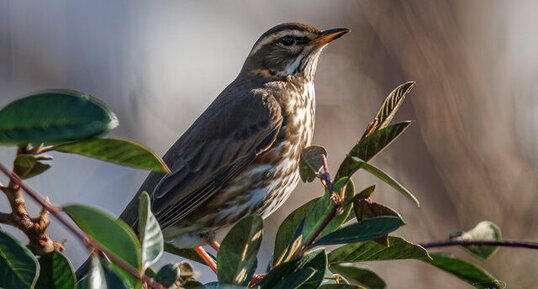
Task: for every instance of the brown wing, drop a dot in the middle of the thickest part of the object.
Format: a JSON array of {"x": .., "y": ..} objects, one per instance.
[{"x": 220, "y": 144}]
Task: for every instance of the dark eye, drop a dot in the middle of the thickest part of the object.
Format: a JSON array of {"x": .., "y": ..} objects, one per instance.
[{"x": 288, "y": 40}]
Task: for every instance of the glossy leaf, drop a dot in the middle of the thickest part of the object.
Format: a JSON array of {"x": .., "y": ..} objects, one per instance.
[
  {"x": 151, "y": 237},
  {"x": 365, "y": 209},
  {"x": 466, "y": 271},
  {"x": 286, "y": 233},
  {"x": 369, "y": 147},
  {"x": 316, "y": 260},
  {"x": 315, "y": 216},
  {"x": 54, "y": 116},
  {"x": 341, "y": 286},
  {"x": 309, "y": 217},
  {"x": 101, "y": 277},
  {"x": 18, "y": 265},
  {"x": 55, "y": 272},
  {"x": 359, "y": 274},
  {"x": 168, "y": 275},
  {"x": 296, "y": 279},
  {"x": 120, "y": 151},
  {"x": 311, "y": 163},
  {"x": 347, "y": 206},
  {"x": 237, "y": 253},
  {"x": 150, "y": 272},
  {"x": 27, "y": 166},
  {"x": 184, "y": 252},
  {"x": 368, "y": 229},
  {"x": 390, "y": 106},
  {"x": 398, "y": 249},
  {"x": 366, "y": 192},
  {"x": 388, "y": 180},
  {"x": 484, "y": 231},
  {"x": 110, "y": 232},
  {"x": 216, "y": 285}
]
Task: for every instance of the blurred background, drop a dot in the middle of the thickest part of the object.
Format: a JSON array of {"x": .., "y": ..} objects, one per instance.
[{"x": 472, "y": 154}]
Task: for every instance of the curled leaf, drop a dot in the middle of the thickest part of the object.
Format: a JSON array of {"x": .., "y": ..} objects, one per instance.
[{"x": 311, "y": 163}]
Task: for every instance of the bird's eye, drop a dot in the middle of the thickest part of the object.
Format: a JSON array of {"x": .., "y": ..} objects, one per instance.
[{"x": 288, "y": 40}]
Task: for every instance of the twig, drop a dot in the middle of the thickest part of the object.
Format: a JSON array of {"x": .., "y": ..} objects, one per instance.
[
  {"x": 500, "y": 243},
  {"x": 34, "y": 228},
  {"x": 326, "y": 178},
  {"x": 88, "y": 241}
]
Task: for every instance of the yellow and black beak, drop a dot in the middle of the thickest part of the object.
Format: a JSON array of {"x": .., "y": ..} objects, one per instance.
[{"x": 330, "y": 35}]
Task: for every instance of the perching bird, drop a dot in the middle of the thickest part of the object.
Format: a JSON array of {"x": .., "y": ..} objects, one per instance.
[{"x": 241, "y": 156}]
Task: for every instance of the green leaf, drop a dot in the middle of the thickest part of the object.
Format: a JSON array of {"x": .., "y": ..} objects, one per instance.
[
  {"x": 120, "y": 151},
  {"x": 237, "y": 253},
  {"x": 360, "y": 274},
  {"x": 368, "y": 229},
  {"x": 18, "y": 265},
  {"x": 101, "y": 277},
  {"x": 150, "y": 272},
  {"x": 347, "y": 206},
  {"x": 316, "y": 260},
  {"x": 55, "y": 272},
  {"x": 184, "y": 252},
  {"x": 111, "y": 233},
  {"x": 365, "y": 209},
  {"x": 54, "y": 116},
  {"x": 366, "y": 193},
  {"x": 296, "y": 279},
  {"x": 466, "y": 271},
  {"x": 369, "y": 147},
  {"x": 217, "y": 285},
  {"x": 308, "y": 217},
  {"x": 341, "y": 286},
  {"x": 151, "y": 237},
  {"x": 168, "y": 275},
  {"x": 398, "y": 249},
  {"x": 484, "y": 231},
  {"x": 390, "y": 106},
  {"x": 311, "y": 163},
  {"x": 315, "y": 217},
  {"x": 27, "y": 166},
  {"x": 286, "y": 232},
  {"x": 388, "y": 180}
]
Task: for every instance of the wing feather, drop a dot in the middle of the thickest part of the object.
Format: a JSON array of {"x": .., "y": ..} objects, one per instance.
[{"x": 224, "y": 140}]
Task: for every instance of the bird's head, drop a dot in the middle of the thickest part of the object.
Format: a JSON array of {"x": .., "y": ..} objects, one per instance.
[{"x": 289, "y": 49}]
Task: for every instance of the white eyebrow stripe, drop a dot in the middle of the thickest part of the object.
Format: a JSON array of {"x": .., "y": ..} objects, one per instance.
[{"x": 272, "y": 37}]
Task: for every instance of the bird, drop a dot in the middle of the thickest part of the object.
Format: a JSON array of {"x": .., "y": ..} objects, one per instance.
[{"x": 241, "y": 155}]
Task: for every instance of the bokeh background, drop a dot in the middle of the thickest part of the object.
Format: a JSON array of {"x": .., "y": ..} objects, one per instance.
[{"x": 471, "y": 155}]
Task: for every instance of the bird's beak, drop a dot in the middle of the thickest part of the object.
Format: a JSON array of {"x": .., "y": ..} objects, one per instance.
[{"x": 329, "y": 35}]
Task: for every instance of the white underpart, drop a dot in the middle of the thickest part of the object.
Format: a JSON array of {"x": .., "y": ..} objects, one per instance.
[{"x": 292, "y": 67}]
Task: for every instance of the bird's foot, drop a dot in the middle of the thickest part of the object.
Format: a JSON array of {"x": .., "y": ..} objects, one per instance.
[{"x": 207, "y": 258}]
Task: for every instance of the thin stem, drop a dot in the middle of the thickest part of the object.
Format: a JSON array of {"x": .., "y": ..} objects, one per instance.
[
  {"x": 499, "y": 243},
  {"x": 326, "y": 178},
  {"x": 89, "y": 242}
]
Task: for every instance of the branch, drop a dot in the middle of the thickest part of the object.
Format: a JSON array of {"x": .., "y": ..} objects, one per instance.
[
  {"x": 34, "y": 228},
  {"x": 88, "y": 241},
  {"x": 499, "y": 243}
]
